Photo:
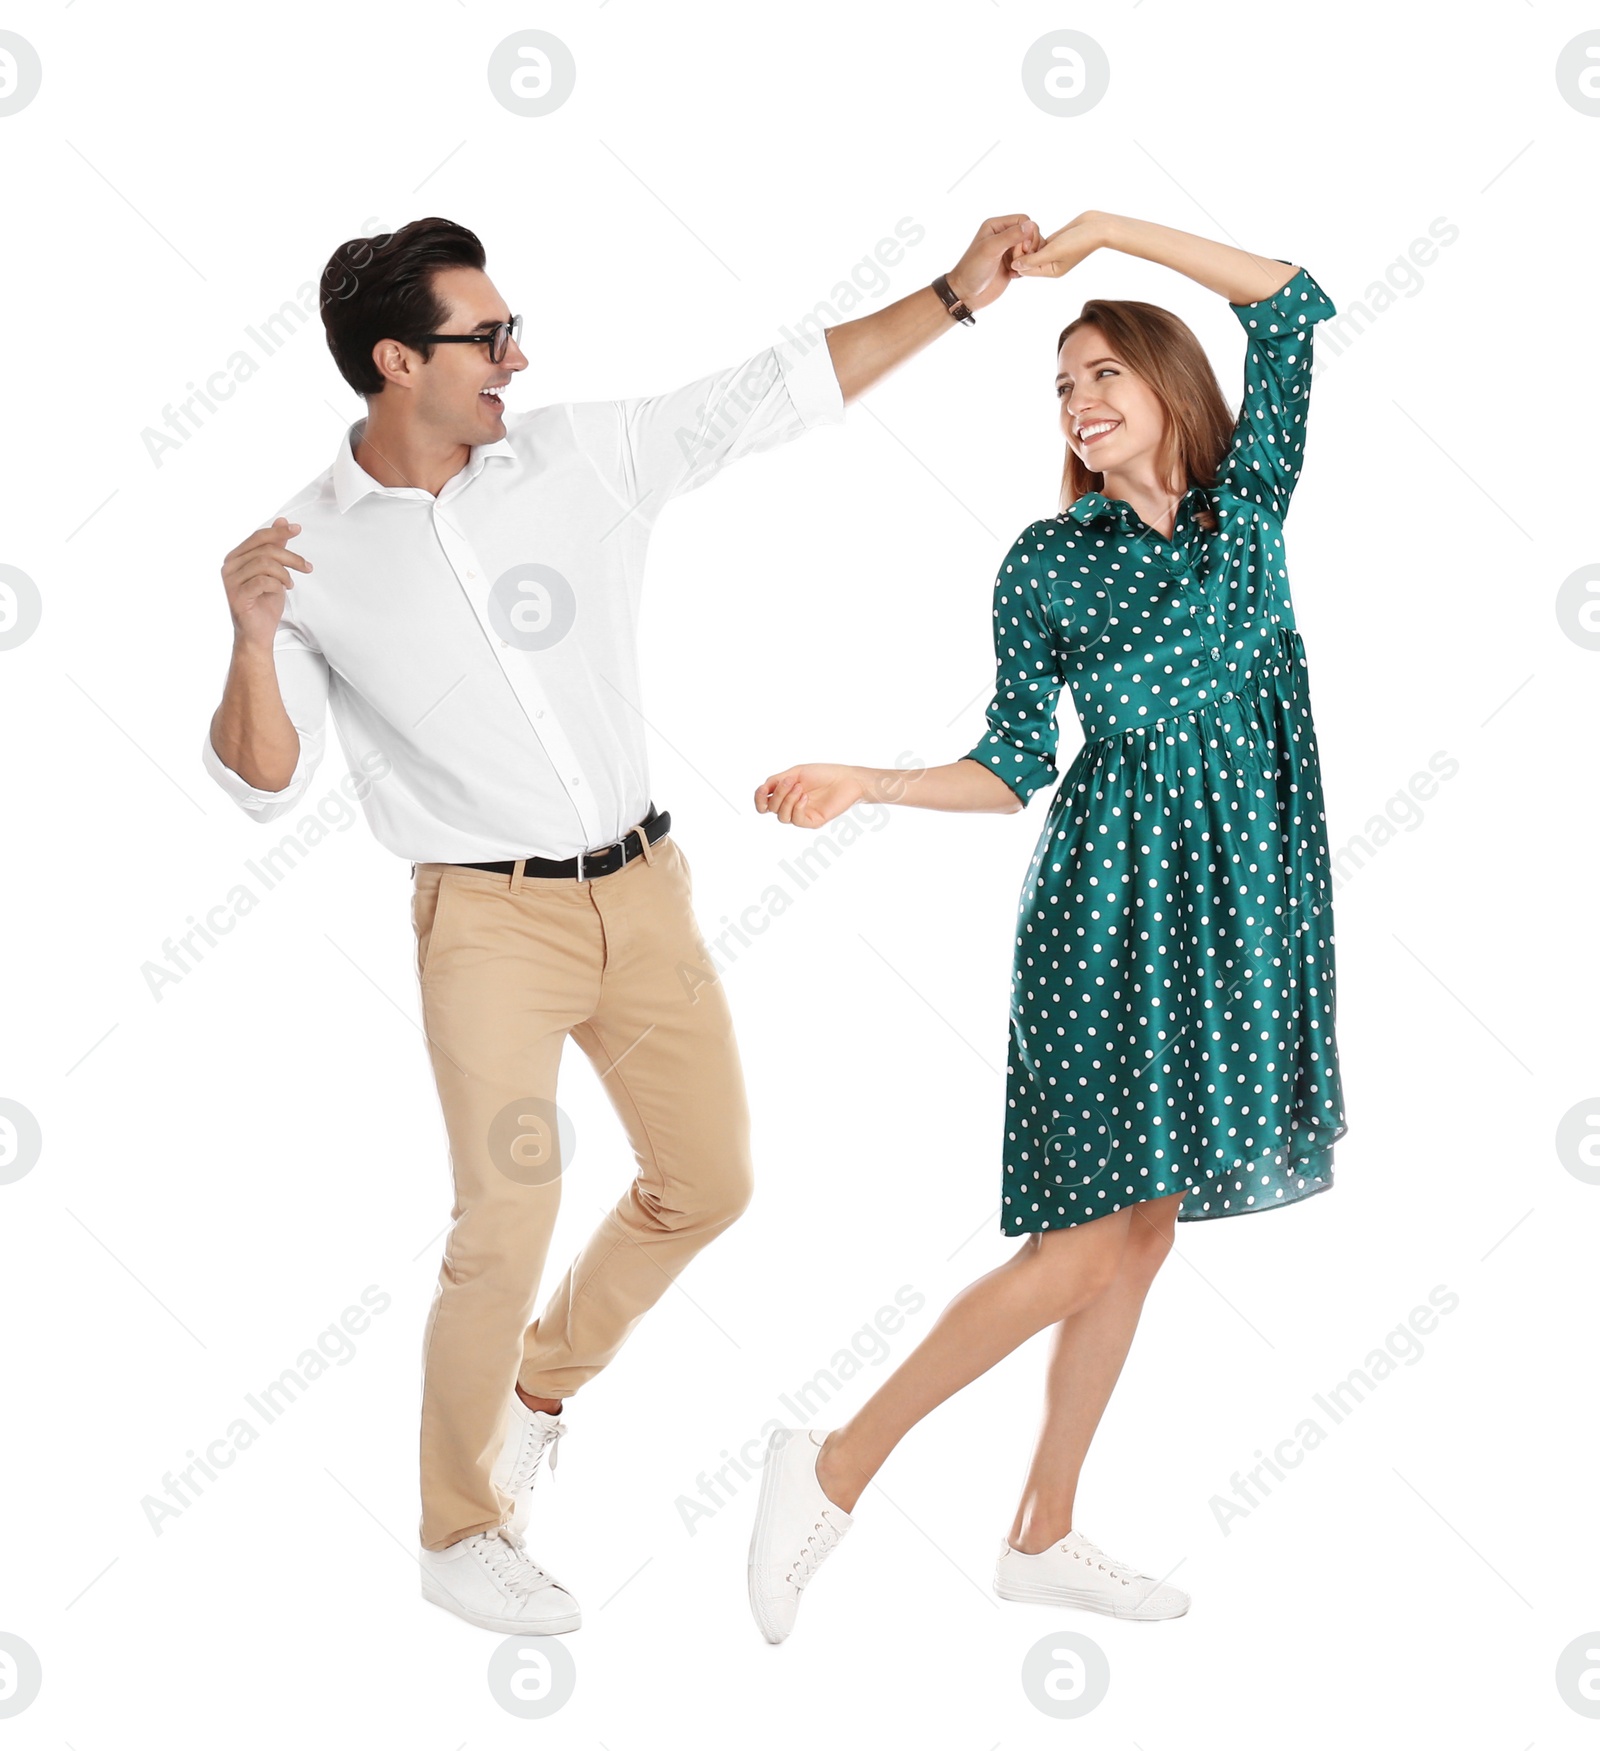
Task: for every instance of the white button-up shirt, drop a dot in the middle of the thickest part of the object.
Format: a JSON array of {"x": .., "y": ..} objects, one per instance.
[{"x": 478, "y": 649}]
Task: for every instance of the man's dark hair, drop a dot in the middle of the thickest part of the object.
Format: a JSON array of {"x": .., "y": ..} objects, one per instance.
[{"x": 381, "y": 288}]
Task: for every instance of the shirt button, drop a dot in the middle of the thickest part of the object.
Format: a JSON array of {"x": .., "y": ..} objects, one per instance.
[{"x": 574, "y": 783}]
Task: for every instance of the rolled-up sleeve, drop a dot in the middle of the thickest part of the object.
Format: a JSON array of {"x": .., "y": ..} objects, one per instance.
[
  {"x": 672, "y": 443},
  {"x": 1020, "y": 746},
  {"x": 1264, "y": 458},
  {"x": 303, "y": 682}
]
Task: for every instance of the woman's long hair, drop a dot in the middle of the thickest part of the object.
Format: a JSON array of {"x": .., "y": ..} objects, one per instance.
[{"x": 1163, "y": 350}]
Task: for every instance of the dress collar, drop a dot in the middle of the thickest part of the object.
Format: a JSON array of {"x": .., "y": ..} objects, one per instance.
[
  {"x": 351, "y": 482},
  {"x": 1094, "y": 507}
]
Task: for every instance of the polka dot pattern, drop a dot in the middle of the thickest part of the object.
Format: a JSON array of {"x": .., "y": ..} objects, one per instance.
[{"x": 1173, "y": 985}]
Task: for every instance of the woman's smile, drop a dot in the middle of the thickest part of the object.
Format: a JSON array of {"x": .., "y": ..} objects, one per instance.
[{"x": 1095, "y": 430}]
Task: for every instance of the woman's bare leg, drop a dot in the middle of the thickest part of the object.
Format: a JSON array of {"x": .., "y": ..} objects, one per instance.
[
  {"x": 1086, "y": 1358},
  {"x": 1050, "y": 1277}
]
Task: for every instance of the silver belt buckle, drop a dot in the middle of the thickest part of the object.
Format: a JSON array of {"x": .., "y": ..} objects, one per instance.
[
  {"x": 600, "y": 853},
  {"x": 615, "y": 843}
]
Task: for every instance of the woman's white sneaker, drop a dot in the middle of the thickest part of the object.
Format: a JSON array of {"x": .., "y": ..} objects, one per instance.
[
  {"x": 528, "y": 1433},
  {"x": 1077, "y": 1572},
  {"x": 490, "y": 1580},
  {"x": 796, "y": 1529}
]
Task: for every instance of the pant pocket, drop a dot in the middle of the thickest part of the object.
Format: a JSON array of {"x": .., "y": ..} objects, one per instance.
[{"x": 431, "y": 907}]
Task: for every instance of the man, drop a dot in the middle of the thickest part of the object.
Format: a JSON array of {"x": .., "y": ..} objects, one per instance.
[{"x": 463, "y": 591}]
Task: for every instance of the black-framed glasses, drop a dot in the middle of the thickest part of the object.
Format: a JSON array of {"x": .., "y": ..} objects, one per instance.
[{"x": 497, "y": 337}]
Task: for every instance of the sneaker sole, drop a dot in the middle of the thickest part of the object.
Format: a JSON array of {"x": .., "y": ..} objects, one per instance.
[
  {"x": 436, "y": 1595},
  {"x": 1080, "y": 1602},
  {"x": 764, "y": 1510}
]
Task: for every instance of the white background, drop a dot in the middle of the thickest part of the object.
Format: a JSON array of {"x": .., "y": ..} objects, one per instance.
[{"x": 225, "y": 1169}]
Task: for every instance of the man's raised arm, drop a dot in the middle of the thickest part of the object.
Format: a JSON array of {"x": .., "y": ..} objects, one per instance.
[
  {"x": 871, "y": 346},
  {"x": 654, "y": 447}
]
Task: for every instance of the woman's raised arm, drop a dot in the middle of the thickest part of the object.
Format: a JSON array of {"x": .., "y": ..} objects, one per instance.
[{"x": 1236, "y": 274}]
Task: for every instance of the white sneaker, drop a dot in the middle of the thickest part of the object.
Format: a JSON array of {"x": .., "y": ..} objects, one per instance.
[
  {"x": 1078, "y": 1572},
  {"x": 528, "y": 1433},
  {"x": 796, "y": 1527},
  {"x": 490, "y": 1580}
]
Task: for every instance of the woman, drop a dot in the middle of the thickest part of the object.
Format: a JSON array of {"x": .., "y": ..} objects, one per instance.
[{"x": 1172, "y": 1054}]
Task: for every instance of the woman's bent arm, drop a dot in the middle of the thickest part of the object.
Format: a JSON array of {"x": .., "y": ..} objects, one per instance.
[
  {"x": 1236, "y": 274},
  {"x": 818, "y": 792}
]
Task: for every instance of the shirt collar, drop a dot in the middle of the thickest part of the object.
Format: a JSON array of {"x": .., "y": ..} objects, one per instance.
[{"x": 351, "y": 482}]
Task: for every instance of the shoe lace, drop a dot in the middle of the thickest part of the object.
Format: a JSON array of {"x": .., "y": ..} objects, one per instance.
[
  {"x": 820, "y": 1540},
  {"x": 532, "y": 1451},
  {"x": 1087, "y": 1551},
  {"x": 502, "y": 1549}
]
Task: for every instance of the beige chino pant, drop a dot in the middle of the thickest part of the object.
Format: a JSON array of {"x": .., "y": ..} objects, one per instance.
[{"x": 509, "y": 966}]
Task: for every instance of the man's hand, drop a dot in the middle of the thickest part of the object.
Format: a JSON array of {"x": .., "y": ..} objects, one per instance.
[
  {"x": 256, "y": 575},
  {"x": 866, "y": 350},
  {"x": 990, "y": 263},
  {"x": 1062, "y": 250},
  {"x": 251, "y": 731}
]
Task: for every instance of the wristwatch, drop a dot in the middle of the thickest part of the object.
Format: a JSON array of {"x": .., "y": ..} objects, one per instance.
[{"x": 951, "y": 302}]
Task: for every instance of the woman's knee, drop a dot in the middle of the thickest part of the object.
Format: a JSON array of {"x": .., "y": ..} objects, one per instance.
[
  {"x": 1151, "y": 1231},
  {"x": 1073, "y": 1267}
]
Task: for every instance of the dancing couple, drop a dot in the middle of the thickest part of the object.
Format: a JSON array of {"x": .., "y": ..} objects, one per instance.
[{"x": 461, "y": 588}]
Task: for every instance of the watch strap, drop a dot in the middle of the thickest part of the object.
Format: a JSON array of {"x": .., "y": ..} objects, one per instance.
[{"x": 951, "y": 302}]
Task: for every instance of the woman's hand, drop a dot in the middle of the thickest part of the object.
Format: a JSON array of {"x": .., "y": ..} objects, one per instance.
[
  {"x": 1062, "y": 250},
  {"x": 811, "y": 796},
  {"x": 990, "y": 262}
]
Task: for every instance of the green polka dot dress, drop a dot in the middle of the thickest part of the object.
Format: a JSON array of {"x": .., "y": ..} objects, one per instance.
[{"x": 1172, "y": 998}]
